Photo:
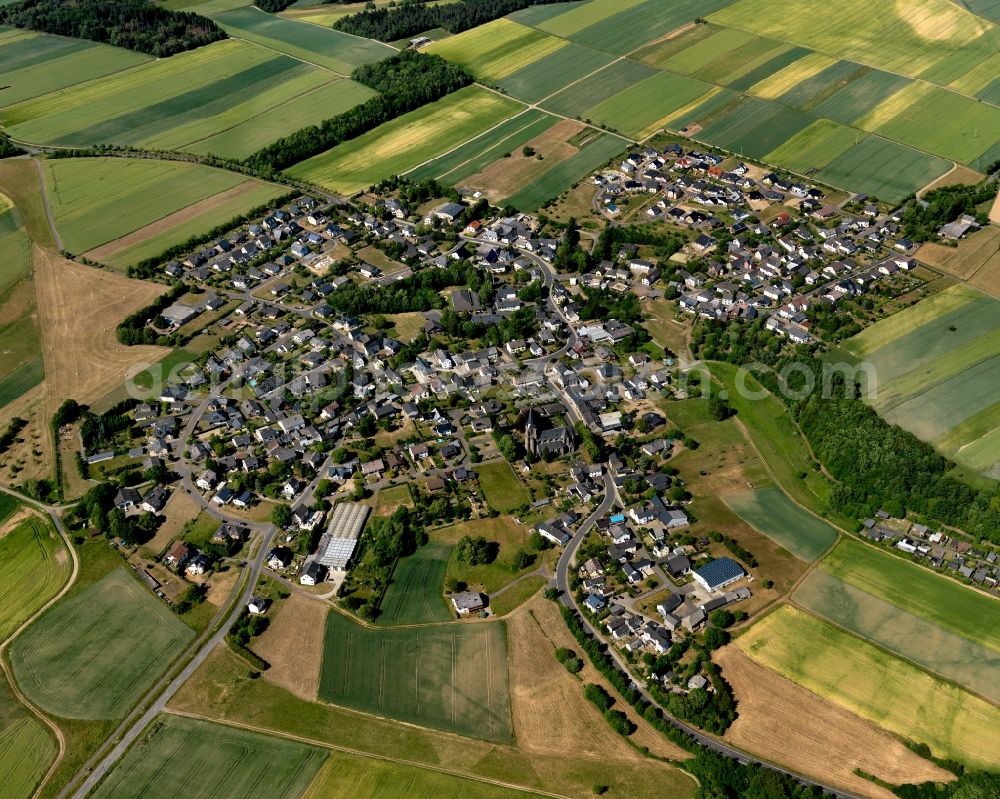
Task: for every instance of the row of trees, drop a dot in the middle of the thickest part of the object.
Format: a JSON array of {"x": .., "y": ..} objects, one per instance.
[
  {"x": 134, "y": 328},
  {"x": 405, "y": 82},
  {"x": 923, "y": 218},
  {"x": 412, "y": 17},
  {"x": 7, "y": 147},
  {"x": 133, "y": 24}
]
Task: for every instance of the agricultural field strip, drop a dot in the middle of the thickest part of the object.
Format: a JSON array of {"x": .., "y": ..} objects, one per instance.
[
  {"x": 876, "y": 685},
  {"x": 771, "y": 512},
  {"x": 892, "y": 627},
  {"x": 29, "y": 557},
  {"x": 917, "y": 590}
]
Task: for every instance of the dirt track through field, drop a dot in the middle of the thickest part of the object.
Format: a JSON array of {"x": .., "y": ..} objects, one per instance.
[{"x": 784, "y": 723}]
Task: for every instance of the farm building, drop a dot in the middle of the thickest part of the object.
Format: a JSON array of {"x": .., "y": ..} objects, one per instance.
[
  {"x": 718, "y": 574},
  {"x": 468, "y": 602},
  {"x": 342, "y": 533}
]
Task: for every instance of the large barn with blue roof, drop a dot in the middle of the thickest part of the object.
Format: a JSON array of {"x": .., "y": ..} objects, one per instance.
[{"x": 718, "y": 574}]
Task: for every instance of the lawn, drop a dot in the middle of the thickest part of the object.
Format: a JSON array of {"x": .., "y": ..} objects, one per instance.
[
  {"x": 920, "y": 591},
  {"x": 814, "y": 147},
  {"x": 907, "y": 38},
  {"x": 97, "y": 200},
  {"x": 172, "y": 103},
  {"x": 771, "y": 512},
  {"x": 883, "y": 169},
  {"x": 645, "y": 106},
  {"x": 892, "y": 627},
  {"x": 26, "y": 748},
  {"x": 451, "y": 677},
  {"x": 36, "y": 63},
  {"x": 873, "y": 684},
  {"x": 497, "y": 49},
  {"x": 35, "y": 567},
  {"x": 350, "y": 777},
  {"x": 502, "y": 489},
  {"x": 215, "y": 762},
  {"x": 415, "y": 594},
  {"x": 315, "y": 44},
  {"x": 407, "y": 141},
  {"x": 94, "y": 654}
]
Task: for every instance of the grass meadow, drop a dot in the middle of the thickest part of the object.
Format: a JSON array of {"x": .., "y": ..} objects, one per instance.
[
  {"x": 486, "y": 577},
  {"x": 35, "y": 566},
  {"x": 94, "y": 654},
  {"x": 213, "y": 761},
  {"x": 415, "y": 594},
  {"x": 501, "y": 488},
  {"x": 407, "y": 141},
  {"x": 451, "y": 677},
  {"x": 906, "y": 634},
  {"x": 21, "y": 365},
  {"x": 876, "y": 685},
  {"x": 771, "y": 512}
]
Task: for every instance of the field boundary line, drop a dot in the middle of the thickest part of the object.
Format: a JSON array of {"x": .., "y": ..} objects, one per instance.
[
  {"x": 48, "y": 207},
  {"x": 363, "y": 754},
  {"x": 287, "y": 55}
]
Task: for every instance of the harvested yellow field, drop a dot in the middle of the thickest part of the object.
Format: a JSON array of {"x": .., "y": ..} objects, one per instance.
[
  {"x": 784, "y": 723},
  {"x": 773, "y": 86},
  {"x": 877, "y": 686}
]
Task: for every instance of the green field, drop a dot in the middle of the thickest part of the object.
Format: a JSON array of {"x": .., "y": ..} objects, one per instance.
[
  {"x": 351, "y": 777},
  {"x": 174, "y": 103},
  {"x": 26, "y": 748},
  {"x": 771, "y": 512},
  {"x": 35, "y": 567},
  {"x": 407, "y": 141},
  {"x": 414, "y": 595},
  {"x": 36, "y": 63},
  {"x": 314, "y": 44},
  {"x": 952, "y": 656},
  {"x": 211, "y": 761},
  {"x": 734, "y": 66},
  {"x": 858, "y": 97},
  {"x": 877, "y": 686},
  {"x": 98, "y": 200},
  {"x": 451, "y": 677},
  {"x": 475, "y": 155},
  {"x": 93, "y": 655},
  {"x": 497, "y": 49},
  {"x": 696, "y": 49},
  {"x": 824, "y": 84},
  {"x": 21, "y": 365},
  {"x": 308, "y": 108},
  {"x": 962, "y": 130},
  {"x": 501, "y": 488},
  {"x": 552, "y": 72},
  {"x": 633, "y": 24},
  {"x": 905, "y": 38},
  {"x": 644, "y": 107},
  {"x": 556, "y": 180},
  {"x": 930, "y": 596},
  {"x": 909, "y": 320},
  {"x": 584, "y": 15},
  {"x": 814, "y": 147},
  {"x": 883, "y": 169},
  {"x": 755, "y": 127},
  {"x": 576, "y": 99}
]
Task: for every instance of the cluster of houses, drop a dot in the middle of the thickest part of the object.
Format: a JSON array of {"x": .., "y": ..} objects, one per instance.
[
  {"x": 748, "y": 267},
  {"x": 952, "y": 554}
]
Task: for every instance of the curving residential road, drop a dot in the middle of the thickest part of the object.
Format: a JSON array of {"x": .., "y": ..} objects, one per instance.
[
  {"x": 136, "y": 730},
  {"x": 704, "y": 739}
]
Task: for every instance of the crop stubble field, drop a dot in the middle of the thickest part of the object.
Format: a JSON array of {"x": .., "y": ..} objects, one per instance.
[
  {"x": 92, "y": 655},
  {"x": 451, "y": 677},
  {"x": 877, "y": 686}
]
